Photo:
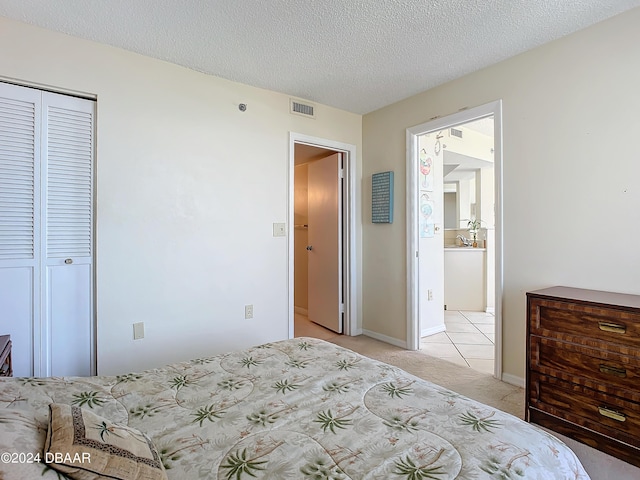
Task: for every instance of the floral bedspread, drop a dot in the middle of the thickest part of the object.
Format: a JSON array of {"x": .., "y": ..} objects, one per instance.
[{"x": 296, "y": 409}]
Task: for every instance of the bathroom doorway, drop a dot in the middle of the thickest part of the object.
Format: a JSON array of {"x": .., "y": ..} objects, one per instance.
[
  {"x": 459, "y": 320},
  {"x": 469, "y": 247}
]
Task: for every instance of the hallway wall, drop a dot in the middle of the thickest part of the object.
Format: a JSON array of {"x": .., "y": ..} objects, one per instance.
[{"x": 301, "y": 235}]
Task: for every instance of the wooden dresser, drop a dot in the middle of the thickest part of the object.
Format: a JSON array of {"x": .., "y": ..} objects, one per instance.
[{"x": 583, "y": 368}]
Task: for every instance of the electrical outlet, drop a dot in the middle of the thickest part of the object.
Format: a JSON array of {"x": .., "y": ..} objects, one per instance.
[
  {"x": 429, "y": 295},
  {"x": 138, "y": 330},
  {"x": 248, "y": 311}
]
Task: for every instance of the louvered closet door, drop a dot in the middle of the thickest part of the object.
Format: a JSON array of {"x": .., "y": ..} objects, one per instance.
[
  {"x": 67, "y": 183},
  {"x": 46, "y": 231},
  {"x": 19, "y": 227}
]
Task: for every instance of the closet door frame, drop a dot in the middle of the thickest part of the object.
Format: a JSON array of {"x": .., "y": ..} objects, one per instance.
[{"x": 40, "y": 354}]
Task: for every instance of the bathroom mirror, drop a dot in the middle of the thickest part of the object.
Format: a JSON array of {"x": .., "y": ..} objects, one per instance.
[{"x": 468, "y": 174}]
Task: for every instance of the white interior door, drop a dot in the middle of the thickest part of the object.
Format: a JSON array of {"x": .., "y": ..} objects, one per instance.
[
  {"x": 325, "y": 242},
  {"x": 68, "y": 232},
  {"x": 20, "y": 111}
]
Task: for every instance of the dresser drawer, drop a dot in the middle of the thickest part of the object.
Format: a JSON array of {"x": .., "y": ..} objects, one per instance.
[
  {"x": 592, "y": 367},
  {"x": 580, "y": 320},
  {"x": 597, "y": 411}
]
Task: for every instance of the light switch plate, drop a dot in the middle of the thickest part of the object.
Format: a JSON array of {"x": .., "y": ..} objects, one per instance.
[
  {"x": 138, "y": 330},
  {"x": 279, "y": 230}
]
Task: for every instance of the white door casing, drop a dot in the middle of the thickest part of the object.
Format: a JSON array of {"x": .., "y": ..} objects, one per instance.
[
  {"x": 351, "y": 231},
  {"x": 325, "y": 242},
  {"x": 413, "y": 245}
]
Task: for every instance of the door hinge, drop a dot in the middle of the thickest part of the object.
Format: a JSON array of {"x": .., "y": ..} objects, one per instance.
[
  {"x": 416, "y": 254},
  {"x": 342, "y": 308},
  {"x": 341, "y": 173}
]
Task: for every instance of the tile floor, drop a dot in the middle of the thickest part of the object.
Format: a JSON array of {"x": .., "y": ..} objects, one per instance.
[{"x": 468, "y": 340}]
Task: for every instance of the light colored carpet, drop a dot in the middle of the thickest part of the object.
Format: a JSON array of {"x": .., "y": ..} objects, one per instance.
[
  {"x": 483, "y": 388},
  {"x": 464, "y": 380}
]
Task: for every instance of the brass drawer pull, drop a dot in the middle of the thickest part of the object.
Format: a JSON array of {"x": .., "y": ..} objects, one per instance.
[
  {"x": 612, "y": 414},
  {"x": 618, "y": 372},
  {"x": 612, "y": 327}
]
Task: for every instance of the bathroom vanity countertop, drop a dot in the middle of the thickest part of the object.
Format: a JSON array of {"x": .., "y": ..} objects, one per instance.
[{"x": 463, "y": 249}]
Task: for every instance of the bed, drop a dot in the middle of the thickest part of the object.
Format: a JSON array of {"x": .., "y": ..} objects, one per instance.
[{"x": 295, "y": 409}]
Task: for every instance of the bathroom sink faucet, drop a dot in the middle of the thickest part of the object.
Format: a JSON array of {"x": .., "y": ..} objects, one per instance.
[{"x": 466, "y": 242}]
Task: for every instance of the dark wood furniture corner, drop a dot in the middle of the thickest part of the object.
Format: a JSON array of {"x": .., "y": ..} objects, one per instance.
[
  {"x": 5, "y": 356},
  {"x": 583, "y": 367}
]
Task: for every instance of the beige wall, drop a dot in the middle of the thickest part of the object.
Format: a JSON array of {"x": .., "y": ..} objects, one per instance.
[
  {"x": 571, "y": 174},
  {"x": 187, "y": 190},
  {"x": 301, "y": 256}
]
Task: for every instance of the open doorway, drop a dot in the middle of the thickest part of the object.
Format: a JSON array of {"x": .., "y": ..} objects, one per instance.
[
  {"x": 318, "y": 242},
  {"x": 473, "y": 302},
  {"x": 467, "y": 153},
  {"x": 321, "y": 238}
]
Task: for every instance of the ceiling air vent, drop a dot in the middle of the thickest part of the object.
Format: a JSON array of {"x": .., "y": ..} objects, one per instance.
[
  {"x": 456, "y": 133},
  {"x": 304, "y": 109}
]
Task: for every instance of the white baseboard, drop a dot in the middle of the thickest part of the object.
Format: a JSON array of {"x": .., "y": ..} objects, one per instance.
[
  {"x": 513, "y": 380},
  {"x": 433, "y": 330},
  {"x": 301, "y": 311},
  {"x": 383, "y": 338}
]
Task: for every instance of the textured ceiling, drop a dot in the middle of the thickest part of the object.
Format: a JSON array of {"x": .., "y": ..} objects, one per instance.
[{"x": 357, "y": 55}]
